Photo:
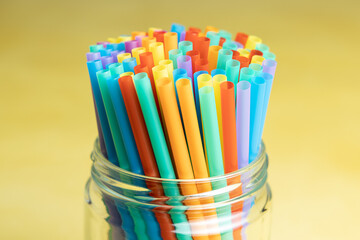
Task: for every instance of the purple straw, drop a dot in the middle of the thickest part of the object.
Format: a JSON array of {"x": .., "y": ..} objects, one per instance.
[
  {"x": 182, "y": 36},
  {"x": 185, "y": 63},
  {"x": 129, "y": 45},
  {"x": 106, "y": 61},
  {"x": 92, "y": 56},
  {"x": 114, "y": 55},
  {"x": 139, "y": 39},
  {"x": 269, "y": 66},
  {"x": 243, "y": 122}
]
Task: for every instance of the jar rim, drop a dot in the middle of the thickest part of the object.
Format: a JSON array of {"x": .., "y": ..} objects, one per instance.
[{"x": 98, "y": 156}]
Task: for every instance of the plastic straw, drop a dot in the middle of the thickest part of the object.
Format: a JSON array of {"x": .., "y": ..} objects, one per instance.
[
  {"x": 157, "y": 138},
  {"x": 252, "y": 41},
  {"x": 197, "y": 103},
  {"x": 177, "y": 28},
  {"x": 269, "y": 55},
  {"x": 244, "y": 62},
  {"x": 211, "y": 28},
  {"x": 224, "y": 56},
  {"x": 257, "y": 59},
  {"x": 129, "y": 45},
  {"x": 146, "y": 41},
  {"x": 254, "y": 53},
  {"x": 241, "y": 38},
  {"x": 243, "y": 122},
  {"x": 230, "y": 45},
  {"x": 157, "y": 50},
  {"x": 156, "y": 134},
  {"x": 256, "y": 108},
  {"x": 268, "y": 82},
  {"x": 269, "y": 66},
  {"x": 94, "y": 67},
  {"x": 170, "y": 42},
  {"x": 195, "y": 55},
  {"x": 225, "y": 34},
  {"x": 204, "y": 44},
  {"x": 104, "y": 76},
  {"x": 129, "y": 64},
  {"x": 138, "y": 126},
  {"x": 192, "y": 37},
  {"x": 232, "y": 72},
  {"x": 217, "y": 72},
  {"x": 262, "y": 47},
  {"x": 256, "y": 67},
  {"x": 173, "y": 56},
  {"x": 123, "y": 56},
  {"x": 214, "y": 38},
  {"x": 136, "y": 52},
  {"x": 185, "y": 63},
  {"x": 106, "y": 61},
  {"x": 185, "y": 46},
  {"x": 246, "y": 74},
  {"x": 169, "y": 67},
  {"x": 201, "y": 65},
  {"x": 213, "y": 149},
  {"x": 229, "y": 126},
  {"x": 96, "y": 48},
  {"x": 236, "y": 55},
  {"x": 217, "y": 80},
  {"x": 92, "y": 56},
  {"x": 244, "y": 52},
  {"x": 159, "y": 35},
  {"x": 131, "y": 74},
  {"x": 213, "y": 56}
]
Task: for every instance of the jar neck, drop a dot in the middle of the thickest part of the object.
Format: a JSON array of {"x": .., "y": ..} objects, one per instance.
[{"x": 154, "y": 192}]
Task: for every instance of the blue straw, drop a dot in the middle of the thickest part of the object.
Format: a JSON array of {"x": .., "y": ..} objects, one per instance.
[
  {"x": 256, "y": 109},
  {"x": 268, "y": 81},
  {"x": 129, "y": 64},
  {"x": 197, "y": 102},
  {"x": 177, "y": 28},
  {"x": 217, "y": 71},
  {"x": 93, "y": 67}
]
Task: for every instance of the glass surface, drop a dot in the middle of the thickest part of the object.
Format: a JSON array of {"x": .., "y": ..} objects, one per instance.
[{"x": 123, "y": 205}]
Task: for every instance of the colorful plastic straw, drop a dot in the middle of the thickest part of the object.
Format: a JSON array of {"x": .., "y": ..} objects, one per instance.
[
  {"x": 224, "y": 56},
  {"x": 185, "y": 46},
  {"x": 243, "y": 122},
  {"x": 256, "y": 107},
  {"x": 94, "y": 67},
  {"x": 229, "y": 126},
  {"x": 232, "y": 71}
]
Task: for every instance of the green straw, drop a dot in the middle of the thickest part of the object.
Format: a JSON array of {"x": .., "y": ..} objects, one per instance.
[
  {"x": 214, "y": 154},
  {"x": 257, "y": 68},
  {"x": 157, "y": 139}
]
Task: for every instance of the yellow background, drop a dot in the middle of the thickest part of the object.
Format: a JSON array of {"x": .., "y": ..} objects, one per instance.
[{"x": 48, "y": 126}]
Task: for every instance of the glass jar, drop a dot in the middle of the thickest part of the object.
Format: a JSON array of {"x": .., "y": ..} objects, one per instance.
[{"x": 123, "y": 205}]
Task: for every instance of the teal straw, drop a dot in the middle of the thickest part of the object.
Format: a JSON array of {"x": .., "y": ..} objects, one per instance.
[
  {"x": 262, "y": 47},
  {"x": 246, "y": 74},
  {"x": 223, "y": 57},
  {"x": 225, "y": 34},
  {"x": 214, "y": 154},
  {"x": 185, "y": 46},
  {"x": 230, "y": 45},
  {"x": 173, "y": 55},
  {"x": 232, "y": 72},
  {"x": 269, "y": 55},
  {"x": 96, "y": 48},
  {"x": 104, "y": 76},
  {"x": 214, "y": 38},
  {"x": 157, "y": 139},
  {"x": 257, "y": 68}
]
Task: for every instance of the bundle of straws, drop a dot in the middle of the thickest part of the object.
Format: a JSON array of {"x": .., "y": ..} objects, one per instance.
[{"x": 183, "y": 104}]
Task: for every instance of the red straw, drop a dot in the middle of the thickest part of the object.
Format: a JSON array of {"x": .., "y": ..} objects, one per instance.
[
  {"x": 204, "y": 44},
  {"x": 244, "y": 61},
  {"x": 229, "y": 126},
  {"x": 145, "y": 149},
  {"x": 221, "y": 42},
  {"x": 254, "y": 52},
  {"x": 195, "y": 55},
  {"x": 201, "y": 65},
  {"x": 192, "y": 37},
  {"x": 241, "y": 38},
  {"x": 236, "y": 55},
  {"x": 159, "y": 35}
]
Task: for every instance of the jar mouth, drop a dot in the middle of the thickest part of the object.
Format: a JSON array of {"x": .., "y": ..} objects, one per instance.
[{"x": 97, "y": 155}]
